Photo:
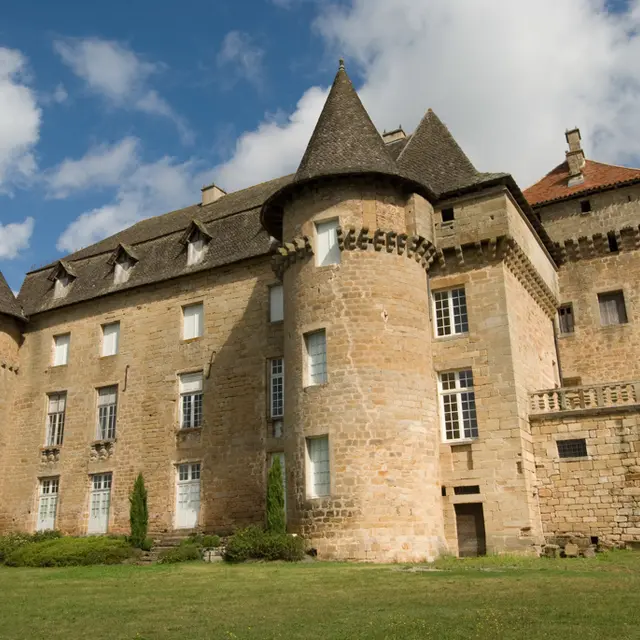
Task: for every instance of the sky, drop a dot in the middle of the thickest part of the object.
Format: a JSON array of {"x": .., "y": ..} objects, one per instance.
[{"x": 115, "y": 112}]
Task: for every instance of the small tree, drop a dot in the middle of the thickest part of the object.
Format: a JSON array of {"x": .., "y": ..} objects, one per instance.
[
  {"x": 138, "y": 513},
  {"x": 276, "y": 522}
]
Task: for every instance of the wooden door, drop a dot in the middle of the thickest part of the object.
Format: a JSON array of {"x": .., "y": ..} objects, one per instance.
[{"x": 471, "y": 533}]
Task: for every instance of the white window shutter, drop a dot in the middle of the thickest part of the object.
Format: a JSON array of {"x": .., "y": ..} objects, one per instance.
[
  {"x": 61, "y": 349},
  {"x": 191, "y": 382},
  {"x": 193, "y": 320},
  {"x": 327, "y": 249},
  {"x": 110, "y": 339},
  {"x": 276, "y": 303}
]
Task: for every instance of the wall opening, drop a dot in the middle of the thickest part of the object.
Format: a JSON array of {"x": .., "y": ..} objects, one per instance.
[{"x": 472, "y": 539}]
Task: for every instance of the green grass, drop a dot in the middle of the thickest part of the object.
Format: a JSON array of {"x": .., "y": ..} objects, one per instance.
[{"x": 496, "y": 598}]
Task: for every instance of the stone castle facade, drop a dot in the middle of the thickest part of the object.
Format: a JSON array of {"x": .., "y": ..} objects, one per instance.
[{"x": 442, "y": 362}]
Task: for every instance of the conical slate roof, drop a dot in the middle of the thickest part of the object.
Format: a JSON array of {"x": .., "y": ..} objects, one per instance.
[
  {"x": 345, "y": 141},
  {"x": 8, "y": 303},
  {"x": 433, "y": 157}
]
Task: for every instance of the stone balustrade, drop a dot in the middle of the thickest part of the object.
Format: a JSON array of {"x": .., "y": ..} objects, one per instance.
[{"x": 596, "y": 396}]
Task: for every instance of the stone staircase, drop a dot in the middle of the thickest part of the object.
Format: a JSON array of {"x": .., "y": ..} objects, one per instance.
[{"x": 162, "y": 542}]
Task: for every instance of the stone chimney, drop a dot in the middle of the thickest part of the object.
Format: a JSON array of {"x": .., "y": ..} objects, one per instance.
[
  {"x": 392, "y": 136},
  {"x": 575, "y": 157},
  {"x": 212, "y": 193}
]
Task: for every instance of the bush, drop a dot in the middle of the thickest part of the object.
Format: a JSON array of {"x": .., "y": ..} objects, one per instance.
[
  {"x": 64, "y": 552},
  {"x": 276, "y": 521},
  {"x": 254, "y": 543},
  {"x": 138, "y": 513},
  {"x": 209, "y": 542},
  {"x": 204, "y": 541},
  {"x": 183, "y": 553},
  {"x": 13, "y": 541},
  {"x": 147, "y": 545}
]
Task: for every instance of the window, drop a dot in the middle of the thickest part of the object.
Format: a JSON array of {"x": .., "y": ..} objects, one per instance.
[
  {"x": 57, "y": 403},
  {"x": 191, "y": 400},
  {"x": 466, "y": 490},
  {"x": 99, "y": 503},
  {"x": 327, "y": 249},
  {"x": 458, "y": 405},
  {"x": 572, "y": 448},
  {"x": 110, "y": 339},
  {"x": 316, "y": 343},
  {"x": 189, "y": 471},
  {"x": 447, "y": 215},
  {"x": 612, "y": 309},
  {"x": 61, "y": 349},
  {"x": 61, "y": 286},
  {"x": 451, "y": 312},
  {"x": 318, "y": 472},
  {"x": 107, "y": 405},
  {"x": 565, "y": 318},
  {"x": 612, "y": 242},
  {"x": 122, "y": 269},
  {"x": 585, "y": 206},
  {"x": 196, "y": 248},
  {"x": 192, "y": 321},
  {"x": 47, "y": 504},
  {"x": 276, "y": 387},
  {"x": 276, "y": 303}
]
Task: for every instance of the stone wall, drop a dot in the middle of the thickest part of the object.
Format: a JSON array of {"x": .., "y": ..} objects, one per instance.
[
  {"x": 598, "y": 495},
  {"x": 231, "y": 445}
]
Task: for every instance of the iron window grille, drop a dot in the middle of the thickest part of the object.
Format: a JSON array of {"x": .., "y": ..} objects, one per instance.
[{"x": 572, "y": 448}]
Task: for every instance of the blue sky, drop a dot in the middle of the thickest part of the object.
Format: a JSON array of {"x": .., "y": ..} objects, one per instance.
[{"x": 114, "y": 112}]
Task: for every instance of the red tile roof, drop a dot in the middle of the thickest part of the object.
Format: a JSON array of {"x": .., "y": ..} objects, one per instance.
[{"x": 597, "y": 176}]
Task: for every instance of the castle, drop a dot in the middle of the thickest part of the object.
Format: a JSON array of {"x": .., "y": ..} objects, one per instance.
[{"x": 442, "y": 362}]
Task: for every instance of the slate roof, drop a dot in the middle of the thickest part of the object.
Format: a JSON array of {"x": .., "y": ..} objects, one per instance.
[
  {"x": 597, "y": 176},
  {"x": 8, "y": 303}
]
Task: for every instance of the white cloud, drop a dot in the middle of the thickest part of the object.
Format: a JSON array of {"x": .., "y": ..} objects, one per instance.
[
  {"x": 239, "y": 51},
  {"x": 101, "y": 166},
  {"x": 148, "y": 190},
  {"x": 19, "y": 121},
  {"x": 14, "y": 237},
  {"x": 507, "y": 77},
  {"x": 60, "y": 94},
  {"x": 117, "y": 73}
]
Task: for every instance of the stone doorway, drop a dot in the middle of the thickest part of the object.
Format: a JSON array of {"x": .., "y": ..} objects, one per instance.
[{"x": 471, "y": 534}]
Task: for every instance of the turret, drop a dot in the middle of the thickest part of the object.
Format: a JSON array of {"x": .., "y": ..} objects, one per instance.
[{"x": 361, "y": 430}]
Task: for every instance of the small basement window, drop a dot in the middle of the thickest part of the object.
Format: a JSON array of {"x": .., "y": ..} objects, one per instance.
[
  {"x": 572, "y": 448},
  {"x": 585, "y": 206},
  {"x": 466, "y": 491},
  {"x": 447, "y": 214}
]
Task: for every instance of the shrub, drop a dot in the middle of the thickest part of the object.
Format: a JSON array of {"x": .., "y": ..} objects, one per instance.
[
  {"x": 138, "y": 513},
  {"x": 183, "y": 553},
  {"x": 208, "y": 542},
  {"x": 63, "y": 552},
  {"x": 13, "y": 541},
  {"x": 254, "y": 543},
  {"x": 147, "y": 545},
  {"x": 204, "y": 541},
  {"x": 276, "y": 522}
]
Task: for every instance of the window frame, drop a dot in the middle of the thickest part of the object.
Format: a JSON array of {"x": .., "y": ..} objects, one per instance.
[
  {"x": 572, "y": 445},
  {"x": 311, "y": 488},
  {"x": 458, "y": 392},
  {"x": 276, "y": 395},
  {"x": 311, "y": 379},
  {"x": 332, "y": 256},
  {"x": 54, "y": 363},
  {"x": 199, "y": 329},
  {"x": 572, "y": 322},
  {"x": 196, "y": 403},
  {"x": 449, "y": 291},
  {"x": 279, "y": 304},
  {"x": 104, "y": 327},
  {"x": 621, "y": 305},
  {"x": 54, "y": 429},
  {"x": 106, "y": 419}
]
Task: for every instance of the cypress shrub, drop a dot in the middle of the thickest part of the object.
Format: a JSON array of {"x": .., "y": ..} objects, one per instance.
[
  {"x": 276, "y": 522},
  {"x": 138, "y": 513}
]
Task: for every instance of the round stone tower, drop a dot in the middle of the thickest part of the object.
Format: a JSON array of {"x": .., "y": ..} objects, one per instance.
[
  {"x": 360, "y": 423},
  {"x": 11, "y": 324}
]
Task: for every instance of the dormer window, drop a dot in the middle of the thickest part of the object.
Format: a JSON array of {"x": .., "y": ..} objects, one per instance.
[
  {"x": 62, "y": 278},
  {"x": 196, "y": 238},
  {"x": 196, "y": 248},
  {"x": 123, "y": 260}
]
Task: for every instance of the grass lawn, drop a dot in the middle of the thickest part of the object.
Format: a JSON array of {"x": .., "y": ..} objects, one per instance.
[{"x": 482, "y": 598}]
